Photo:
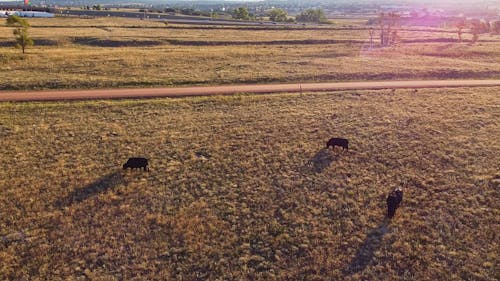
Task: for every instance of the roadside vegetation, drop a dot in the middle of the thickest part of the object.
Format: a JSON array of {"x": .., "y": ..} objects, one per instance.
[
  {"x": 241, "y": 187},
  {"x": 106, "y": 52}
]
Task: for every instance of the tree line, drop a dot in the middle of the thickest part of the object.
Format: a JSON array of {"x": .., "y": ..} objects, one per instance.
[
  {"x": 280, "y": 15},
  {"x": 389, "y": 25},
  {"x": 476, "y": 28}
]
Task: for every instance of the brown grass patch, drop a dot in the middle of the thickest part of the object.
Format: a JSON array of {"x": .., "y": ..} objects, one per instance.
[
  {"x": 241, "y": 187},
  {"x": 100, "y": 53}
]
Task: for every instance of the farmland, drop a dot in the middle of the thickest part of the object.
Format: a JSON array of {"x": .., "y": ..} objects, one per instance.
[
  {"x": 110, "y": 52},
  {"x": 241, "y": 187}
]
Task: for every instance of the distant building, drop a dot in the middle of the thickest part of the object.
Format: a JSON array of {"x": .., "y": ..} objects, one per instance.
[
  {"x": 395, "y": 8},
  {"x": 26, "y": 14},
  {"x": 4, "y": 14}
]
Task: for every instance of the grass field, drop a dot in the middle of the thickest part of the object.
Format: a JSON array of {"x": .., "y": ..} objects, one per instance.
[
  {"x": 241, "y": 188},
  {"x": 102, "y": 52}
]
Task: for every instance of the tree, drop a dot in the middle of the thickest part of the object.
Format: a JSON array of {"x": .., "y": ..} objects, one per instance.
[
  {"x": 475, "y": 33},
  {"x": 20, "y": 32},
  {"x": 478, "y": 27},
  {"x": 241, "y": 13},
  {"x": 495, "y": 27},
  {"x": 372, "y": 33},
  {"x": 388, "y": 35},
  {"x": 460, "y": 26},
  {"x": 312, "y": 15},
  {"x": 278, "y": 15}
]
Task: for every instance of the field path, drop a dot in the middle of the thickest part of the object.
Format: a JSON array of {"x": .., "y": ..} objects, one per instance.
[{"x": 233, "y": 89}]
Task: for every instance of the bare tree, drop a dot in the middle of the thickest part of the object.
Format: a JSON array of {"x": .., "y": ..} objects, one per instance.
[
  {"x": 372, "y": 33},
  {"x": 394, "y": 39},
  {"x": 460, "y": 26},
  {"x": 495, "y": 27},
  {"x": 387, "y": 23},
  {"x": 478, "y": 27}
]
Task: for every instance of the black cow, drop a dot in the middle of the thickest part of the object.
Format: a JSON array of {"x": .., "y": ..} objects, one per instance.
[
  {"x": 133, "y": 163},
  {"x": 344, "y": 143},
  {"x": 393, "y": 201}
]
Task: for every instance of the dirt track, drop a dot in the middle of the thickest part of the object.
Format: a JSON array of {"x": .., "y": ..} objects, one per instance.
[{"x": 226, "y": 90}]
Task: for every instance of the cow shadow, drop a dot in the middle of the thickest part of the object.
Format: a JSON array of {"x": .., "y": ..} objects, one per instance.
[
  {"x": 98, "y": 186},
  {"x": 321, "y": 160},
  {"x": 365, "y": 253}
]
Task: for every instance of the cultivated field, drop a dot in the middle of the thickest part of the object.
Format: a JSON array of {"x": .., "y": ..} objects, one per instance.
[
  {"x": 241, "y": 187},
  {"x": 111, "y": 52}
]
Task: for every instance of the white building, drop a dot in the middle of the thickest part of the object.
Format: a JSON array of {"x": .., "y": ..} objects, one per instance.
[{"x": 26, "y": 14}]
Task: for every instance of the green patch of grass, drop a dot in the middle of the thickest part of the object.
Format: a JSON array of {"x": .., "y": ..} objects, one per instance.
[{"x": 241, "y": 187}]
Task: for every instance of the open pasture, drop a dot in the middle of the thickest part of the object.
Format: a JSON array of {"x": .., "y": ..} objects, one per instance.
[
  {"x": 106, "y": 53},
  {"x": 241, "y": 187}
]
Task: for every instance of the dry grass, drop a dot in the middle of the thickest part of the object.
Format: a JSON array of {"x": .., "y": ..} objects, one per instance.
[
  {"x": 241, "y": 188},
  {"x": 99, "y": 53}
]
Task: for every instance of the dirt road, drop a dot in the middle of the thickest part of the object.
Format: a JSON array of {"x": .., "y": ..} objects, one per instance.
[{"x": 233, "y": 89}]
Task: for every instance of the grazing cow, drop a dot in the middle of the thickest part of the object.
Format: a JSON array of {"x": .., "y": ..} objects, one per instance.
[
  {"x": 344, "y": 143},
  {"x": 393, "y": 201},
  {"x": 133, "y": 163}
]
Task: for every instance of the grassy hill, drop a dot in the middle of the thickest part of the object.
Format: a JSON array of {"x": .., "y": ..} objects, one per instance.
[{"x": 242, "y": 188}]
